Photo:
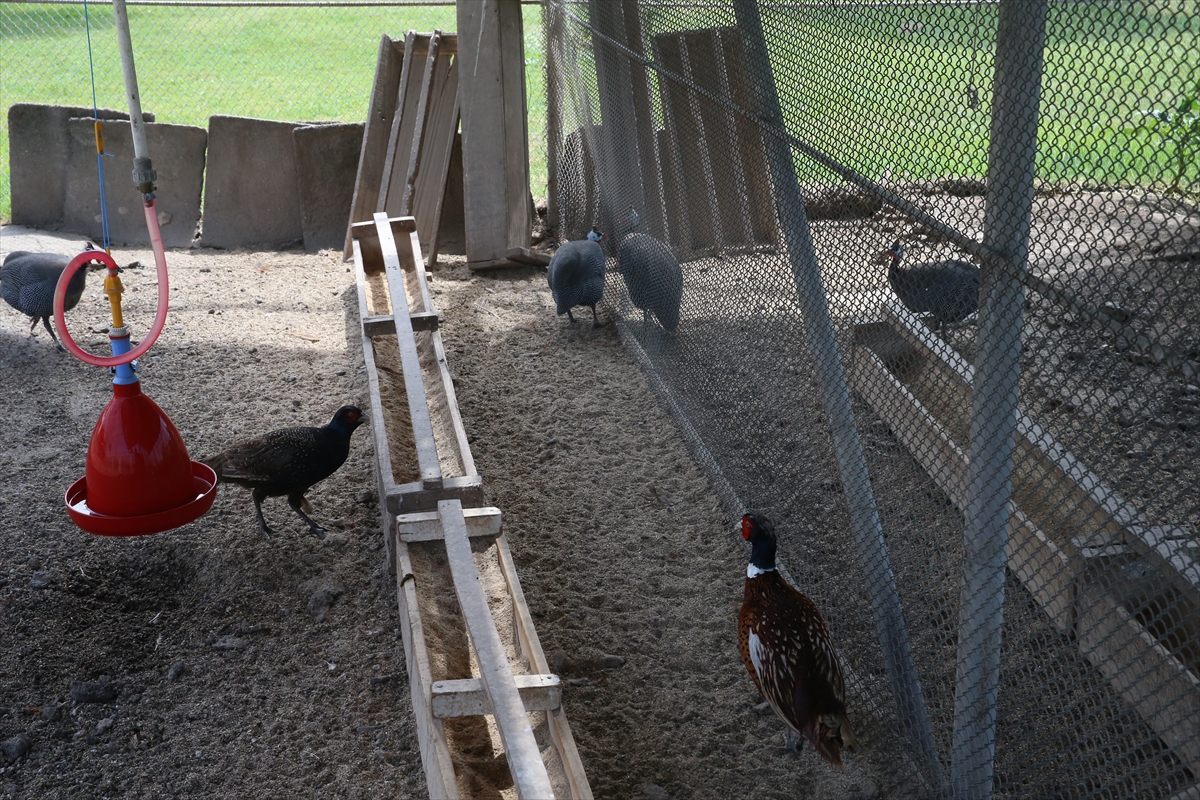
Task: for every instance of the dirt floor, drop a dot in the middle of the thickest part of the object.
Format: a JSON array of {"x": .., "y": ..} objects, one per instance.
[{"x": 211, "y": 662}]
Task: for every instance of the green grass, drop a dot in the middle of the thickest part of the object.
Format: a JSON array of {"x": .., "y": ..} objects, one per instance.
[
  {"x": 300, "y": 64},
  {"x": 885, "y": 89}
]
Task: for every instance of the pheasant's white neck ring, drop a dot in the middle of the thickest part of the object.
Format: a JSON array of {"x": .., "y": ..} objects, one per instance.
[{"x": 753, "y": 571}]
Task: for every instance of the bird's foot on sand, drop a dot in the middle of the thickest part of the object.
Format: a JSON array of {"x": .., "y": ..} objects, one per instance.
[{"x": 793, "y": 742}]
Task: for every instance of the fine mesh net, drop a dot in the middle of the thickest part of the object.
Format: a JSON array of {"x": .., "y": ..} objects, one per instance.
[{"x": 919, "y": 281}]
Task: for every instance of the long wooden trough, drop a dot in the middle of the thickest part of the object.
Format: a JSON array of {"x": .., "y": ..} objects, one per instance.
[
  {"x": 482, "y": 691},
  {"x": 1073, "y": 542}
]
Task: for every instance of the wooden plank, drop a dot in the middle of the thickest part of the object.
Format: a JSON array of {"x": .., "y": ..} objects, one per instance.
[
  {"x": 400, "y": 203},
  {"x": 380, "y": 110},
  {"x": 1148, "y": 677},
  {"x": 385, "y": 325},
  {"x": 409, "y": 498},
  {"x": 395, "y": 166},
  {"x": 531, "y": 650},
  {"x": 690, "y": 213},
  {"x": 520, "y": 748},
  {"x": 1040, "y": 566},
  {"x": 430, "y": 184},
  {"x": 494, "y": 136},
  {"x": 698, "y": 55},
  {"x": 425, "y": 526},
  {"x": 1063, "y": 496},
  {"x": 414, "y": 386},
  {"x": 467, "y": 698},
  {"x": 646, "y": 128},
  {"x": 431, "y": 735},
  {"x": 494, "y": 263},
  {"x": 524, "y": 255},
  {"x": 749, "y": 148},
  {"x": 461, "y": 441}
]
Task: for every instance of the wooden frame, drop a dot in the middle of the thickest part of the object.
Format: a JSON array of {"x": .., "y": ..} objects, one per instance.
[
  {"x": 1065, "y": 523},
  {"x": 450, "y": 512}
]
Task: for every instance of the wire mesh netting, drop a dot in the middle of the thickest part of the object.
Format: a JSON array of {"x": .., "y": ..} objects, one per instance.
[{"x": 919, "y": 281}]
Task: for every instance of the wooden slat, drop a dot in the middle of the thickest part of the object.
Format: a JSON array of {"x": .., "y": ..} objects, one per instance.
[
  {"x": 524, "y": 255},
  {"x": 1043, "y": 569},
  {"x": 647, "y": 146},
  {"x": 531, "y": 649},
  {"x": 385, "y": 325},
  {"x": 410, "y": 498},
  {"x": 1150, "y": 679},
  {"x": 426, "y": 526},
  {"x": 380, "y": 112},
  {"x": 520, "y": 748},
  {"x": 1051, "y": 484},
  {"x": 414, "y": 385},
  {"x": 431, "y": 735},
  {"x": 439, "y": 354},
  {"x": 429, "y": 188},
  {"x": 400, "y": 204},
  {"x": 467, "y": 698},
  {"x": 395, "y": 165}
]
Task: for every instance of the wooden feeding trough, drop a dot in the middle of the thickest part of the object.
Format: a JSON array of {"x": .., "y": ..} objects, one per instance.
[
  {"x": 482, "y": 691},
  {"x": 1096, "y": 568}
]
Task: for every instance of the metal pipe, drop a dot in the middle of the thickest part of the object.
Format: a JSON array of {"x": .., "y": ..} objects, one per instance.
[
  {"x": 1017, "y": 91},
  {"x": 877, "y": 570},
  {"x": 143, "y": 170}
]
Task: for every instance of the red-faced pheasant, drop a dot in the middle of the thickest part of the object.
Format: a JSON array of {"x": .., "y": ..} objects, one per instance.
[
  {"x": 786, "y": 648},
  {"x": 288, "y": 462}
]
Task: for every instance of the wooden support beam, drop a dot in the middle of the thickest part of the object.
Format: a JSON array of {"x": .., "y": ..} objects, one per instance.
[
  {"x": 385, "y": 324},
  {"x": 395, "y": 165},
  {"x": 426, "y": 526},
  {"x": 529, "y": 257},
  {"x": 409, "y": 498},
  {"x": 467, "y": 698},
  {"x": 520, "y": 748}
]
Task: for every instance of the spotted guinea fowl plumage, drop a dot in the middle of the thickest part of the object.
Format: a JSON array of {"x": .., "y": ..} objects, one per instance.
[
  {"x": 949, "y": 290},
  {"x": 576, "y": 275},
  {"x": 28, "y": 281},
  {"x": 289, "y": 462},
  {"x": 652, "y": 274},
  {"x": 786, "y": 648}
]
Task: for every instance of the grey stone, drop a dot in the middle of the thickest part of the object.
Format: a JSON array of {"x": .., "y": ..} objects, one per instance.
[
  {"x": 652, "y": 791},
  {"x": 252, "y": 196},
  {"x": 16, "y": 747},
  {"x": 178, "y": 155},
  {"x": 177, "y": 669},
  {"x": 40, "y": 580},
  {"x": 326, "y": 166},
  {"x": 230, "y": 642},
  {"x": 99, "y": 692},
  {"x": 320, "y": 602},
  {"x": 38, "y": 153}
]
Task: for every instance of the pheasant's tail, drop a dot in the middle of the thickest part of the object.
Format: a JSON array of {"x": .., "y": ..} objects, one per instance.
[
  {"x": 217, "y": 463},
  {"x": 830, "y": 736}
]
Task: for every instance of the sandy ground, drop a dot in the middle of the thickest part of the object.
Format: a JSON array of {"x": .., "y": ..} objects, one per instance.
[{"x": 228, "y": 676}]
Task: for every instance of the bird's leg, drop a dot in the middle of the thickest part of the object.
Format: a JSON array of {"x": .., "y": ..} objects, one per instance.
[
  {"x": 33, "y": 324},
  {"x": 296, "y": 501},
  {"x": 570, "y": 316},
  {"x": 57, "y": 343},
  {"x": 792, "y": 741},
  {"x": 262, "y": 523},
  {"x": 595, "y": 319}
]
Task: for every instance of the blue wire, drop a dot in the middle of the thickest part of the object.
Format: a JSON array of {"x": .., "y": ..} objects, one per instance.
[{"x": 96, "y": 118}]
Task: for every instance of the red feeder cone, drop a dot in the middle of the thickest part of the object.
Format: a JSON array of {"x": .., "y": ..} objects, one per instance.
[{"x": 139, "y": 479}]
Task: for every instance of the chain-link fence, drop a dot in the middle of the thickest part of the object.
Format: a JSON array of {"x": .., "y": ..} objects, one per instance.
[
  {"x": 290, "y": 61},
  {"x": 920, "y": 281}
]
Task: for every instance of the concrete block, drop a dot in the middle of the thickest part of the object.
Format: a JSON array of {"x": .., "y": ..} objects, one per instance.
[
  {"x": 252, "y": 196},
  {"x": 326, "y": 165},
  {"x": 178, "y": 155},
  {"x": 38, "y": 145}
]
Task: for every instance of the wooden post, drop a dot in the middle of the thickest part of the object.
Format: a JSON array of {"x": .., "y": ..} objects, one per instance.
[{"x": 494, "y": 134}]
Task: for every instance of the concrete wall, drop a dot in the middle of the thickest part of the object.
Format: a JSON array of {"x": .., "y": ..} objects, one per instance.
[
  {"x": 38, "y": 150},
  {"x": 178, "y": 155},
  {"x": 326, "y": 164}
]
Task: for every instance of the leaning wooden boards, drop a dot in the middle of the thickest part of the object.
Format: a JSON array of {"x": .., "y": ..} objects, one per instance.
[{"x": 455, "y": 575}]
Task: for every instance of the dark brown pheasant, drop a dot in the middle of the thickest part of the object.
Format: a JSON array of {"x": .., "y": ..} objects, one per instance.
[
  {"x": 288, "y": 462},
  {"x": 786, "y": 648}
]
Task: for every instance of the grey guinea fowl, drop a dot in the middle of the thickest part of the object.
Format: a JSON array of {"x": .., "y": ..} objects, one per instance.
[
  {"x": 288, "y": 462},
  {"x": 27, "y": 283},
  {"x": 949, "y": 290},
  {"x": 653, "y": 277},
  {"x": 576, "y": 275}
]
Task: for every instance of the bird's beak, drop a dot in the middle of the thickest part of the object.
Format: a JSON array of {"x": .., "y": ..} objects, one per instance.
[{"x": 884, "y": 257}]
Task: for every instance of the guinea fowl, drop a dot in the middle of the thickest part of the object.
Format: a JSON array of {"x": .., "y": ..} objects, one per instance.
[
  {"x": 28, "y": 281},
  {"x": 652, "y": 275},
  {"x": 949, "y": 290},
  {"x": 576, "y": 275},
  {"x": 786, "y": 648},
  {"x": 288, "y": 462}
]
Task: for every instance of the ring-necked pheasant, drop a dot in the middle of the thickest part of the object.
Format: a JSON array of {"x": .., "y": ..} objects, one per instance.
[
  {"x": 786, "y": 648},
  {"x": 949, "y": 290},
  {"x": 576, "y": 275},
  {"x": 27, "y": 283},
  {"x": 289, "y": 462}
]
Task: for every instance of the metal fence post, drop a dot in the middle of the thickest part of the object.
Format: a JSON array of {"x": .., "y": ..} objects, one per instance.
[
  {"x": 881, "y": 582},
  {"x": 1016, "y": 95}
]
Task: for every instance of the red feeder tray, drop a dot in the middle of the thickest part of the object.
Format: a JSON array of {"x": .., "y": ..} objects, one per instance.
[{"x": 139, "y": 478}]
